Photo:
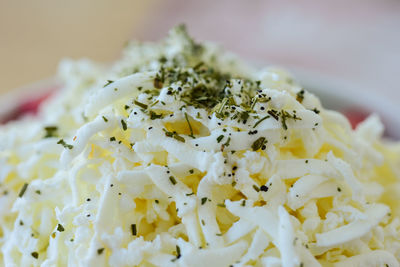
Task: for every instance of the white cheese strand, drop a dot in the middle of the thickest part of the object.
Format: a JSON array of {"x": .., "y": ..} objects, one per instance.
[
  {"x": 224, "y": 256},
  {"x": 373, "y": 258},
  {"x": 118, "y": 89},
  {"x": 207, "y": 213},
  {"x": 82, "y": 138},
  {"x": 345, "y": 170},
  {"x": 355, "y": 229},
  {"x": 261, "y": 216},
  {"x": 286, "y": 239}
]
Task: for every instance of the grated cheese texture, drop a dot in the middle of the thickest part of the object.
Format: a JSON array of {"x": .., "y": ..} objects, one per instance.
[{"x": 180, "y": 154}]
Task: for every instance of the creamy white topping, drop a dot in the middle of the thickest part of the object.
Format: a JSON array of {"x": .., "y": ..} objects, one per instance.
[{"x": 182, "y": 155}]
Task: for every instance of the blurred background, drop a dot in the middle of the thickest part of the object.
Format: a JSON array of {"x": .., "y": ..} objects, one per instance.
[{"x": 354, "y": 41}]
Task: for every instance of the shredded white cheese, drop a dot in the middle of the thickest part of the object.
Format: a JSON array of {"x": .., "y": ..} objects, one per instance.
[{"x": 182, "y": 155}]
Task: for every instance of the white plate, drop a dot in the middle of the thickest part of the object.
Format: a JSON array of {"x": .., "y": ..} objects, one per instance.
[
  {"x": 343, "y": 95},
  {"x": 9, "y": 102}
]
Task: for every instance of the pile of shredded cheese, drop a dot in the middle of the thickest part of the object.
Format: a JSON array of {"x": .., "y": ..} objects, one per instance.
[{"x": 180, "y": 154}]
